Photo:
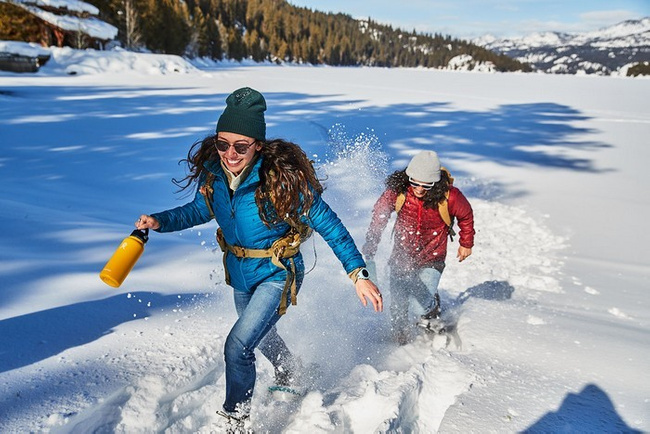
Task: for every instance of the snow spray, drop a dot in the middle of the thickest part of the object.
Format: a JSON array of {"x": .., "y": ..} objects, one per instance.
[{"x": 124, "y": 258}]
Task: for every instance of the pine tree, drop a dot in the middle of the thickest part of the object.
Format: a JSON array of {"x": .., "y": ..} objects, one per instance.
[
  {"x": 18, "y": 25},
  {"x": 166, "y": 26},
  {"x": 284, "y": 53},
  {"x": 255, "y": 45},
  {"x": 211, "y": 43}
]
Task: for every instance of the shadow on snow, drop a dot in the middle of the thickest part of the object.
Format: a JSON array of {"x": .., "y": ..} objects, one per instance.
[
  {"x": 36, "y": 336},
  {"x": 591, "y": 410},
  {"x": 494, "y": 290},
  {"x": 109, "y": 153},
  {"x": 128, "y": 129}
]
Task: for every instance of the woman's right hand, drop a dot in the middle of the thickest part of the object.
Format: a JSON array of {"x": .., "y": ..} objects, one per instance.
[
  {"x": 365, "y": 288},
  {"x": 147, "y": 222}
]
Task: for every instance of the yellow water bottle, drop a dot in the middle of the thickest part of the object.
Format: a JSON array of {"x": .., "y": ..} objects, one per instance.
[{"x": 124, "y": 258}]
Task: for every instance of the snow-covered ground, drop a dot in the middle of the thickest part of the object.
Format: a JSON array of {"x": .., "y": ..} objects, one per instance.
[{"x": 552, "y": 313}]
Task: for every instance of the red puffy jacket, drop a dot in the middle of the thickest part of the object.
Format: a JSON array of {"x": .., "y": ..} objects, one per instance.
[{"x": 420, "y": 233}]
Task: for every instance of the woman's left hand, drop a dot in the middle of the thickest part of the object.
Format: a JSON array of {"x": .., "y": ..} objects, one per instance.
[{"x": 365, "y": 288}]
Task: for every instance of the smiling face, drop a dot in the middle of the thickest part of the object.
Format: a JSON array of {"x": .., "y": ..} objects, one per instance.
[
  {"x": 234, "y": 161},
  {"x": 420, "y": 189},
  {"x": 419, "y": 192}
]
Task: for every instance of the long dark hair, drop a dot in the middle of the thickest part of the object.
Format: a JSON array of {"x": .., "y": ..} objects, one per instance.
[
  {"x": 200, "y": 152},
  {"x": 287, "y": 178},
  {"x": 287, "y": 183},
  {"x": 399, "y": 182}
]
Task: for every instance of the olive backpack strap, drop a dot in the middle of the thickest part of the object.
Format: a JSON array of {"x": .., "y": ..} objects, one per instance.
[
  {"x": 443, "y": 209},
  {"x": 399, "y": 202},
  {"x": 207, "y": 191}
]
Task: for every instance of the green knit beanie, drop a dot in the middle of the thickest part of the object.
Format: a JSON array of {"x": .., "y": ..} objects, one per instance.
[{"x": 244, "y": 114}]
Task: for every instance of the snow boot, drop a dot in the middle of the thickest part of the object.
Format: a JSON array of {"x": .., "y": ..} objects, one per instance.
[
  {"x": 432, "y": 320},
  {"x": 236, "y": 422},
  {"x": 287, "y": 385},
  {"x": 294, "y": 380}
]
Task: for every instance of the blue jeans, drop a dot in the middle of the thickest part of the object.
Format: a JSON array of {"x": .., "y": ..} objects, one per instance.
[
  {"x": 258, "y": 313},
  {"x": 420, "y": 284}
]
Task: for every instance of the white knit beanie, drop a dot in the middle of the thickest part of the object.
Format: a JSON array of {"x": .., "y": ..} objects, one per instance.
[{"x": 424, "y": 167}]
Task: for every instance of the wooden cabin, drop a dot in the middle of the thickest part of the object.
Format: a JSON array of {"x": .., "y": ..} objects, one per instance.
[{"x": 71, "y": 23}]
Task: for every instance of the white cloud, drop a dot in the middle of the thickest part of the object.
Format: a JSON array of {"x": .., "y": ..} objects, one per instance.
[{"x": 607, "y": 18}]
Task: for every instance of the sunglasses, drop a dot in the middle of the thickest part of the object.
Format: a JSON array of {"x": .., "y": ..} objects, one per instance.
[
  {"x": 240, "y": 148},
  {"x": 417, "y": 184}
]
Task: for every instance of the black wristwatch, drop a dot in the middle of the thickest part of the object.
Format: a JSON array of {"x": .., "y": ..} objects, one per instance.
[{"x": 363, "y": 274}]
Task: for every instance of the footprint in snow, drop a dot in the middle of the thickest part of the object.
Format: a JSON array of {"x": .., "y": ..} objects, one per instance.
[
  {"x": 533, "y": 320},
  {"x": 618, "y": 313}
]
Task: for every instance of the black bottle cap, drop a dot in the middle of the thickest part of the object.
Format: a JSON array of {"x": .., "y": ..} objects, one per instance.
[{"x": 141, "y": 234}]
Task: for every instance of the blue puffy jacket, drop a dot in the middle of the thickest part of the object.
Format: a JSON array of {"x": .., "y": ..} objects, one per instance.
[{"x": 239, "y": 219}]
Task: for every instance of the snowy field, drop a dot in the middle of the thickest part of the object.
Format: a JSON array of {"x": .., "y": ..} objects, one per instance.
[{"x": 552, "y": 308}]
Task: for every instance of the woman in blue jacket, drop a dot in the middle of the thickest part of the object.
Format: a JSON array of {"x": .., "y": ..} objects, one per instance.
[{"x": 263, "y": 195}]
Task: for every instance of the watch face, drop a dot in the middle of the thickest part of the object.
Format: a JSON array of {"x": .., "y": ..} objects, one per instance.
[{"x": 364, "y": 273}]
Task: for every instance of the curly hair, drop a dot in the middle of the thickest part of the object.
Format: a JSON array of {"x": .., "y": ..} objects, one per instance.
[
  {"x": 288, "y": 180},
  {"x": 200, "y": 152},
  {"x": 287, "y": 183},
  {"x": 398, "y": 181}
]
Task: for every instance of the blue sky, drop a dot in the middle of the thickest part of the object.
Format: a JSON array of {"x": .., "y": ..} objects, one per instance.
[{"x": 472, "y": 18}]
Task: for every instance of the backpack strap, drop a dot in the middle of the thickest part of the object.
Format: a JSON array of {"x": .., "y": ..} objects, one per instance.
[
  {"x": 283, "y": 248},
  {"x": 451, "y": 178},
  {"x": 399, "y": 202},
  {"x": 443, "y": 209},
  {"x": 208, "y": 191}
]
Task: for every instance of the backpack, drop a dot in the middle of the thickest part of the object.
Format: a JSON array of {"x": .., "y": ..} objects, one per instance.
[
  {"x": 285, "y": 247},
  {"x": 443, "y": 207},
  {"x": 302, "y": 230}
]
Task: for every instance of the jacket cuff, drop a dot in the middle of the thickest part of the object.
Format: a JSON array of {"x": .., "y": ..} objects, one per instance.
[{"x": 354, "y": 274}]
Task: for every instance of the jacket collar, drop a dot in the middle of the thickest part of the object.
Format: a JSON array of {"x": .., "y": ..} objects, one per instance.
[{"x": 249, "y": 175}]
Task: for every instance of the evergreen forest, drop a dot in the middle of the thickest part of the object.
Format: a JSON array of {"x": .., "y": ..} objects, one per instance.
[{"x": 266, "y": 30}]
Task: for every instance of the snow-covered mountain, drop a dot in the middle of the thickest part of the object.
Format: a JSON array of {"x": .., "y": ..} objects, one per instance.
[{"x": 608, "y": 51}]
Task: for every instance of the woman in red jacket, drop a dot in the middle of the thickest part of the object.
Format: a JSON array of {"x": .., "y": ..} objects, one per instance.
[{"x": 420, "y": 236}]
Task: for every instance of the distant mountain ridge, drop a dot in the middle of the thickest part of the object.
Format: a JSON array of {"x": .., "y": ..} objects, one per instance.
[
  {"x": 258, "y": 30},
  {"x": 608, "y": 51}
]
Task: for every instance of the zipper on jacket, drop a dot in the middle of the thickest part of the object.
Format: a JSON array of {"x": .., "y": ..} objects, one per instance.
[
  {"x": 236, "y": 198},
  {"x": 418, "y": 230}
]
